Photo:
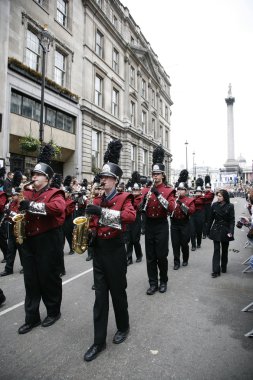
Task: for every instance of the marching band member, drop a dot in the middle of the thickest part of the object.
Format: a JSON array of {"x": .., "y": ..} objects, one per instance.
[
  {"x": 109, "y": 214},
  {"x": 3, "y": 234},
  {"x": 209, "y": 196},
  {"x": 180, "y": 210},
  {"x": 197, "y": 219},
  {"x": 134, "y": 229},
  {"x": 155, "y": 202},
  {"x": 44, "y": 209}
]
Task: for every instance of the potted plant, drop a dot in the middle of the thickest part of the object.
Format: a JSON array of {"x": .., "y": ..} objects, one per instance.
[
  {"x": 57, "y": 149},
  {"x": 29, "y": 143}
]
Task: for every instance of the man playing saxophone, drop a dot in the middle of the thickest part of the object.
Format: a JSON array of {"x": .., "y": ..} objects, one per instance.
[
  {"x": 155, "y": 204},
  {"x": 109, "y": 214},
  {"x": 44, "y": 209}
]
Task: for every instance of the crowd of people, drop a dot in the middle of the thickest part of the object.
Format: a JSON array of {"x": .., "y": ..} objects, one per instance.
[{"x": 37, "y": 218}]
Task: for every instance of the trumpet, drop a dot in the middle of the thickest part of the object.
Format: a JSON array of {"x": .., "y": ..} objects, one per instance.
[{"x": 148, "y": 196}]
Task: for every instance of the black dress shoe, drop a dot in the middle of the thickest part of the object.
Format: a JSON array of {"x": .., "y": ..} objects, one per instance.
[
  {"x": 28, "y": 327},
  {"x": 93, "y": 287},
  {"x": 139, "y": 259},
  {"x": 152, "y": 290},
  {"x": 62, "y": 273},
  {"x": 5, "y": 273},
  {"x": 204, "y": 237},
  {"x": 185, "y": 263},
  {"x": 215, "y": 274},
  {"x": 176, "y": 266},
  {"x": 21, "y": 271},
  {"x": 198, "y": 246},
  {"x": 129, "y": 262},
  {"x": 89, "y": 258},
  {"x": 71, "y": 252},
  {"x": 93, "y": 352},
  {"x": 48, "y": 321},
  {"x": 2, "y": 298},
  {"x": 224, "y": 270},
  {"x": 3, "y": 261},
  {"x": 163, "y": 287},
  {"x": 193, "y": 249},
  {"x": 120, "y": 336}
]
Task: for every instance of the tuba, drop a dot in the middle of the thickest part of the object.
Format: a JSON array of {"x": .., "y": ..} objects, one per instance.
[
  {"x": 80, "y": 239},
  {"x": 19, "y": 219}
]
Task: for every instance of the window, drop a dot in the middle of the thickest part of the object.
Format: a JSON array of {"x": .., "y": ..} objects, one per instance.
[
  {"x": 30, "y": 108},
  {"x": 161, "y": 107},
  {"x": 16, "y": 103},
  {"x": 99, "y": 3},
  {"x": 132, "y": 113},
  {"x": 59, "y": 68},
  {"x": 166, "y": 139},
  {"x": 115, "y": 102},
  {"x": 166, "y": 113},
  {"x": 98, "y": 91},
  {"x": 99, "y": 43},
  {"x": 144, "y": 121},
  {"x": 143, "y": 88},
  {"x": 161, "y": 133},
  {"x": 115, "y": 60},
  {"x": 42, "y": 3},
  {"x": 115, "y": 21},
  {"x": 144, "y": 161},
  {"x": 95, "y": 146},
  {"x": 32, "y": 50},
  {"x": 133, "y": 157},
  {"x": 61, "y": 14},
  {"x": 153, "y": 97},
  {"x": 132, "y": 76},
  {"x": 153, "y": 128}
]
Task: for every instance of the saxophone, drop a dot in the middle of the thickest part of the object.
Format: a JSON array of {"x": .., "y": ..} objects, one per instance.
[
  {"x": 19, "y": 219},
  {"x": 80, "y": 239}
]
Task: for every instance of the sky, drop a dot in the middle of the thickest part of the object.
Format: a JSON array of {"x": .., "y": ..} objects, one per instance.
[{"x": 203, "y": 46}]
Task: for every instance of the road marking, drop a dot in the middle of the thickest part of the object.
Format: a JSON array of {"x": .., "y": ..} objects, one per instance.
[{"x": 64, "y": 282}]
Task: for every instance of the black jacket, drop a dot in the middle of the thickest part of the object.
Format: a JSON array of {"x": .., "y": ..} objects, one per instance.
[{"x": 221, "y": 222}]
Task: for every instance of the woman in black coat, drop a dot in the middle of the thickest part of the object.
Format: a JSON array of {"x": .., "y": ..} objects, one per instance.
[{"x": 220, "y": 229}]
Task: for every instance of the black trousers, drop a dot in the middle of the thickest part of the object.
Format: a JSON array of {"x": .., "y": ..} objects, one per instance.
[
  {"x": 220, "y": 258},
  {"x": 42, "y": 255},
  {"x": 134, "y": 235},
  {"x": 68, "y": 230},
  {"x": 196, "y": 223},
  {"x": 109, "y": 269},
  {"x": 3, "y": 239},
  {"x": 157, "y": 249},
  {"x": 180, "y": 238},
  {"x": 12, "y": 249}
]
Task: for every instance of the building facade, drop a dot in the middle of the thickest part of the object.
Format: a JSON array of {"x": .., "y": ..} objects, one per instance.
[{"x": 103, "y": 81}]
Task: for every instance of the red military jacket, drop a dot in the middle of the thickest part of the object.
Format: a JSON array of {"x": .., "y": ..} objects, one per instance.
[
  {"x": 13, "y": 207},
  {"x": 176, "y": 211},
  {"x": 209, "y": 195},
  {"x": 70, "y": 207},
  {"x": 54, "y": 202},
  {"x": 137, "y": 201},
  {"x": 3, "y": 201},
  {"x": 120, "y": 202},
  {"x": 154, "y": 207},
  {"x": 199, "y": 202}
]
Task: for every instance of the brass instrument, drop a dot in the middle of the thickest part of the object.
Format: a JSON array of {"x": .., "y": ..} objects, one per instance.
[
  {"x": 80, "y": 239},
  {"x": 19, "y": 219},
  {"x": 148, "y": 196}
]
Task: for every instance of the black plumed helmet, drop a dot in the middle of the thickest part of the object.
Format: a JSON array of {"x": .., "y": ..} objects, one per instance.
[
  {"x": 158, "y": 157},
  {"x": 17, "y": 178},
  {"x": 111, "y": 160},
  {"x": 44, "y": 161},
  {"x": 56, "y": 181},
  {"x": 67, "y": 180},
  {"x": 199, "y": 182}
]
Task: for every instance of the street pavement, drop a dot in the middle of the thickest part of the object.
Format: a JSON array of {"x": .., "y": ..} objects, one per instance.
[{"x": 194, "y": 331}]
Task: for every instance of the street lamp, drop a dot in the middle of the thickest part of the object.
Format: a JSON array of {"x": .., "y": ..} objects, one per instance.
[
  {"x": 193, "y": 166},
  {"x": 186, "y": 156},
  {"x": 45, "y": 39}
]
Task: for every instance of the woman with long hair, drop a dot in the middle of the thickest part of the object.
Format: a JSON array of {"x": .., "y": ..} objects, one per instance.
[{"x": 220, "y": 229}]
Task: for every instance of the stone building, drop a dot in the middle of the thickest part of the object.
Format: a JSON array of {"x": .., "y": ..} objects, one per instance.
[{"x": 103, "y": 81}]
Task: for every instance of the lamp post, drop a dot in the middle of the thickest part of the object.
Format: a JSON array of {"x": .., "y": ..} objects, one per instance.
[
  {"x": 186, "y": 155},
  {"x": 193, "y": 167},
  {"x": 45, "y": 39}
]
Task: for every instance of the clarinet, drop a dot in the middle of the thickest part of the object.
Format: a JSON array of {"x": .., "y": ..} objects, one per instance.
[{"x": 148, "y": 196}]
